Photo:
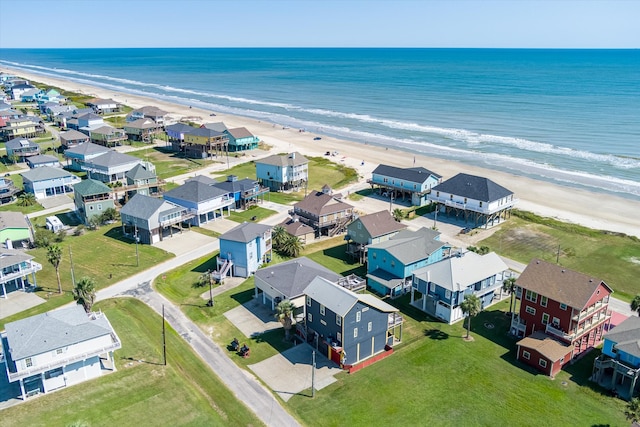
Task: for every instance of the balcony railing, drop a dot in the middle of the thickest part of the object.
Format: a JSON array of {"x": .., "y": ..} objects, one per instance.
[
  {"x": 483, "y": 209},
  {"x": 588, "y": 311},
  {"x": 558, "y": 332},
  {"x": 394, "y": 320},
  {"x": 7, "y": 277}
]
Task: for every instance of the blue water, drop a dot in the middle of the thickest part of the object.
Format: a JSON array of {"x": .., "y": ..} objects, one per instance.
[{"x": 567, "y": 116}]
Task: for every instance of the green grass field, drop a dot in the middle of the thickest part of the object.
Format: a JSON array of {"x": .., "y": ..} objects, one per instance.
[
  {"x": 255, "y": 211},
  {"x": 168, "y": 163},
  {"x": 611, "y": 257},
  {"x": 142, "y": 391}
]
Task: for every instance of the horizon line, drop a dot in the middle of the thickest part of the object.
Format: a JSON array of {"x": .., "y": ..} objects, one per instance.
[{"x": 326, "y": 47}]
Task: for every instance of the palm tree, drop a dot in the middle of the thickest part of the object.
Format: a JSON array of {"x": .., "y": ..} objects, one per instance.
[
  {"x": 509, "y": 285},
  {"x": 284, "y": 311},
  {"x": 85, "y": 293},
  {"x": 292, "y": 246},
  {"x": 26, "y": 199},
  {"x": 635, "y": 304},
  {"x": 470, "y": 306},
  {"x": 633, "y": 409},
  {"x": 278, "y": 236},
  {"x": 398, "y": 214},
  {"x": 54, "y": 256}
]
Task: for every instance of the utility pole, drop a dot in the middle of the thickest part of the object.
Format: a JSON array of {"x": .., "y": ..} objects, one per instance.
[
  {"x": 313, "y": 373},
  {"x": 164, "y": 340},
  {"x": 137, "y": 239},
  {"x": 435, "y": 216},
  {"x": 210, "y": 303},
  {"x": 73, "y": 279},
  {"x": 558, "y": 255}
]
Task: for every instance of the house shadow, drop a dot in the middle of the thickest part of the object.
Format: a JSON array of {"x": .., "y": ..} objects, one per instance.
[
  {"x": 243, "y": 297},
  {"x": 133, "y": 359},
  {"x": 116, "y": 233},
  {"x": 208, "y": 265},
  {"x": 494, "y": 326}
]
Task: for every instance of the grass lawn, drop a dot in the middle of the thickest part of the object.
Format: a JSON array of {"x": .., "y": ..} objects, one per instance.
[
  {"x": 613, "y": 258},
  {"x": 254, "y": 211},
  {"x": 185, "y": 392},
  {"x": 168, "y": 163},
  {"x": 111, "y": 258},
  {"x": 14, "y": 207}
]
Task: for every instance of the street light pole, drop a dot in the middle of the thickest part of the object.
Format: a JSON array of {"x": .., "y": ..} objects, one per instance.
[{"x": 313, "y": 374}]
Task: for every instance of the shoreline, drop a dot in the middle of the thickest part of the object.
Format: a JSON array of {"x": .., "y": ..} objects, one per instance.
[{"x": 594, "y": 210}]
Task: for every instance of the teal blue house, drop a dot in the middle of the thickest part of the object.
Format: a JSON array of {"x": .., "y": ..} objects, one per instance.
[
  {"x": 241, "y": 139},
  {"x": 404, "y": 183},
  {"x": 244, "y": 249},
  {"x": 618, "y": 367},
  {"x": 390, "y": 264}
]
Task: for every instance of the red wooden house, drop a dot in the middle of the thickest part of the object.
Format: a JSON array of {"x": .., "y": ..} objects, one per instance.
[{"x": 566, "y": 309}]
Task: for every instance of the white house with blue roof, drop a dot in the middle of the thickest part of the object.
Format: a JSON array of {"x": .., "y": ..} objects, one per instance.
[
  {"x": 205, "y": 202},
  {"x": 48, "y": 182},
  {"x": 58, "y": 349},
  {"x": 391, "y": 263},
  {"x": 415, "y": 182},
  {"x": 439, "y": 288},
  {"x": 473, "y": 198},
  {"x": 149, "y": 220},
  {"x": 244, "y": 249}
]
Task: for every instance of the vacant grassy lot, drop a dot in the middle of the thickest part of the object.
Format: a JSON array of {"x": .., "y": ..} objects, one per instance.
[
  {"x": 168, "y": 163},
  {"x": 103, "y": 255},
  {"x": 610, "y": 257},
  {"x": 143, "y": 391},
  {"x": 247, "y": 215}
]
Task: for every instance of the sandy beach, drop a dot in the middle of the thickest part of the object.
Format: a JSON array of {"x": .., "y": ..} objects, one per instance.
[{"x": 594, "y": 210}]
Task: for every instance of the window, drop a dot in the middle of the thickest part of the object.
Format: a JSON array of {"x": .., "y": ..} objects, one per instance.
[
  {"x": 545, "y": 318},
  {"x": 556, "y": 322},
  {"x": 447, "y": 294},
  {"x": 451, "y": 197},
  {"x": 358, "y": 316},
  {"x": 563, "y": 306},
  {"x": 309, "y": 317},
  {"x": 542, "y": 363},
  {"x": 432, "y": 287},
  {"x": 531, "y": 296},
  {"x": 369, "y": 326},
  {"x": 59, "y": 351},
  {"x": 339, "y": 337},
  {"x": 374, "y": 255},
  {"x": 359, "y": 226},
  {"x": 53, "y": 373},
  {"x": 28, "y": 362},
  {"x": 355, "y": 332},
  {"x": 322, "y": 309},
  {"x": 322, "y": 322},
  {"x": 393, "y": 263},
  {"x": 530, "y": 310},
  {"x": 465, "y": 200},
  {"x": 308, "y": 301},
  {"x": 100, "y": 207},
  {"x": 90, "y": 207},
  {"x": 338, "y": 320},
  {"x": 543, "y": 301},
  {"x": 526, "y": 355},
  {"x": 480, "y": 204},
  {"x": 437, "y": 194}
]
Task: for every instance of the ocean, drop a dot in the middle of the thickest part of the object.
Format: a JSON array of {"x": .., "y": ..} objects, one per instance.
[{"x": 571, "y": 117}]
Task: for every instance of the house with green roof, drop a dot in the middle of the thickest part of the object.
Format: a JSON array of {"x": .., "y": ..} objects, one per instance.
[
  {"x": 92, "y": 198},
  {"x": 58, "y": 349},
  {"x": 48, "y": 182},
  {"x": 14, "y": 228},
  {"x": 142, "y": 180}
]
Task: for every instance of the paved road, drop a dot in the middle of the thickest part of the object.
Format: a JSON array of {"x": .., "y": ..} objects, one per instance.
[{"x": 244, "y": 385}]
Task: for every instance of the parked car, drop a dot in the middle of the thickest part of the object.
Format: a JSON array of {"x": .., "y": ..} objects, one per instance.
[
  {"x": 465, "y": 230},
  {"x": 317, "y": 138}
]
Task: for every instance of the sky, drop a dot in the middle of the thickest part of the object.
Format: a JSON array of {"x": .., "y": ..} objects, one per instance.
[{"x": 320, "y": 23}]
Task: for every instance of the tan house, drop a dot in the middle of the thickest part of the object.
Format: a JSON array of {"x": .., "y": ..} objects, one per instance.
[
  {"x": 142, "y": 130},
  {"x": 326, "y": 213}
]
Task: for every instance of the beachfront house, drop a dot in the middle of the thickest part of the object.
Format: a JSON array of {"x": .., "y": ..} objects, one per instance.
[
  {"x": 404, "y": 183},
  {"x": 568, "y": 307},
  {"x": 83, "y": 154},
  {"x": 323, "y": 211},
  {"x": 72, "y": 138},
  {"x": 48, "y": 182},
  {"x": 103, "y": 106},
  {"x": 368, "y": 230},
  {"x": 57, "y": 349},
  {"x": 8, "y": 190},
  {"x": 148, "y": 112},
  {"x": 205, "y": 202},
  {"x": 241, "y": 139},
  {"x": 439, "y": 288},
  {"x": 243, "y": 249},
  {"x": 111, "y": 166},
  {"x": 142, "y": 130},
  {"x": 283, "y": 173},
  {"x": 176, "y": 133},
  {"x": 246, "y": 192},
  {"x": 347, "y": 327},
  {"x": 18, "y": 271},
  {"x": 43, "y": 160},
  {"x": 288, "y": 280},
  {"x": 18, "y": 89},
  {"x": 21, "y": 149},
  {"x": 618, "y": 367},
  {"x": 91, "y": 198},
  {"x": 217, "y": 126},
  {"x": 202, "y": 143},
  {"x": 150, "y": 220},
  {"x": 30, "y": 95},
  {"x": 14, "y": 230},
  {"x": 50, "y": 96},
  {"x": 473, "y": 198},
  {"x": 391, "y": 263},
  {"x": 143, "y": 179}
]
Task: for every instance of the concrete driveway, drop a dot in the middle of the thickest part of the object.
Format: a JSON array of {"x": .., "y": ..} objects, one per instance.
[
  {"x": 181, "y": 243},
  {"x": 289, "y": 373},
  {"x": 220, "y": 225},
  {"x": 252, "y": 318},
  {"x": 18, "y": 301}
]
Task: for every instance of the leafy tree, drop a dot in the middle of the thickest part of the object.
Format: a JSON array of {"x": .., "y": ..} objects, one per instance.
[
  {"x": 398, "y": 215},
  {"x": 85, "y": 293},
  {"x": 292, "y": 246},
  {"x": 284, "y": 312},
  {"x": 278, "y": 236},
  {"x": 204, "y": 279},
  {"x": 27, "y": 199},
  {"x": 470, "y": 306},
  {"x": 635, "y": 304},
  {"x": 60, "y": 236},
  {"x": 14, "y": 158},
  {"x": 43, "y": 237},
  {"x": 633, "y": 409},
  {"x": 109, "y": 215},
  {"x": 54, "y": 256},
  {"x": 509, "y": 285},
  {"x": 93, "y": 222}
]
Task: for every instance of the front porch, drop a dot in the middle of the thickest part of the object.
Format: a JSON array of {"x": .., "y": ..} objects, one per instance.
[{"x": 616, "y": 376}]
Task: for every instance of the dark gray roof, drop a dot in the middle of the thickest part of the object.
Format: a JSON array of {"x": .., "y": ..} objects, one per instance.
[
  {"x": 42, "y": 158},
  {"x": 236, "y": 186},
  {"x": 44, "y": 173},
  {"x": 209, "y": 133},
  {"x": 245, "y": 232},
  {"x": 292, "y": 277},
  {"x": 217, "y": 126},
  {"x": 89, "y": 116},
  {"x": 87, "y": 148},
  {"x": 52, "y": 330},
  {"x": 9, "y": 257},
  {"x": 416, "y": 174},
  {"x": 473, "y": 187},
  {"x": 411, "y": 246},
  {"x": 17, "y": 143},
  {"x": 73, "y": 135},
  {"x": 180, "y": 127},
  {"x": 139, "y": 172},
  {"x": 113, "y": 158},
  {"x": 195, "y": 191},
  {"x": 141, "y": 206},
  {"x": 626, "y": 336},
  {"x": 203, "y": 179}
]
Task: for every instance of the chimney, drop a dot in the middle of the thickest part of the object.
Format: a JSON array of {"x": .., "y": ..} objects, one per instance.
[
  {"x": 232, "y": 178},
  {"x": 292, "y": 155}
]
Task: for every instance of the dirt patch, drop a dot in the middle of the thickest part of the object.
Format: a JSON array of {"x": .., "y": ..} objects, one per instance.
[{"x": 530, "y": 237}]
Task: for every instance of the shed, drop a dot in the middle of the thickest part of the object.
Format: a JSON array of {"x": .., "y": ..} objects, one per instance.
[{"x": 54, "y": 224}]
